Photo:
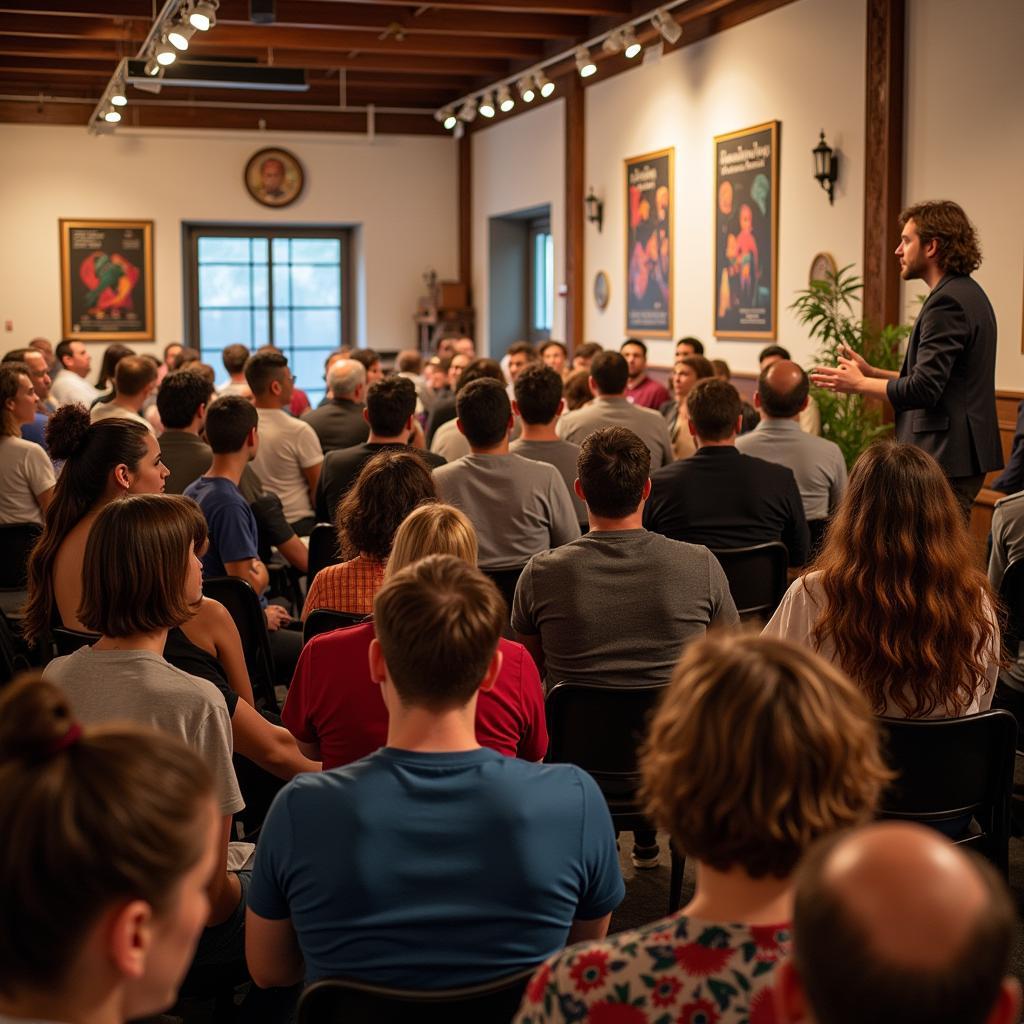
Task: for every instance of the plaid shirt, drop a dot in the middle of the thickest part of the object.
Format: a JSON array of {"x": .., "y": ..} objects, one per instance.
[{"x": 349, "y": 587}]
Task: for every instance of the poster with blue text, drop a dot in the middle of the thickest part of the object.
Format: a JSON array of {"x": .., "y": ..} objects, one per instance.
[{"x": 649, "y": 244}]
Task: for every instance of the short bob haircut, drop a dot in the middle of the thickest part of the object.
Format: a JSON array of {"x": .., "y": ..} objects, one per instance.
[
  {"x": 759, "y": 748},
  {"x": 434, "y": 529},
  {"x": 136, "y": 564}
]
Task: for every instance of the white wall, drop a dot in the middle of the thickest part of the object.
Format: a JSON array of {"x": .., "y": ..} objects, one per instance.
[
  {"x": 399, "y": 190},
  {"x": 518, "y": 165},
  {"x": 965, "y": 141}
]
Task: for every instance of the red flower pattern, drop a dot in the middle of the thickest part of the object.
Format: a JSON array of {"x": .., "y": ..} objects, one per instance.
[
  {"x": 590, "y": 970},
  {"x": 616, "y": 1013},
  {"x": 539, "y": 982},
  {"x": 702, "y": 961},
  {"x": 666, "y": 988},
  {"x": 762, "y": 1007},
  {"x": 698, "y": 1012}
]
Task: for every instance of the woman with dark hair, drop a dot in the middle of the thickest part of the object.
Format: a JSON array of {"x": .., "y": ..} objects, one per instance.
[
  {"x": 688, "y": 370},
  {"x": 387, "y": 489},
  {"x": 894, "y": 598},
  {"x": 110, "y": 843},
  {"x": 25, "y": 469},
  {"x": 112, "y": 355}
]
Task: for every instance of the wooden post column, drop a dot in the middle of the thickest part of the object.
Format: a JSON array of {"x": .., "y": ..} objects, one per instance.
[
  {"x": 574, "y": 269},
  {"x": 465, "y": 199}
]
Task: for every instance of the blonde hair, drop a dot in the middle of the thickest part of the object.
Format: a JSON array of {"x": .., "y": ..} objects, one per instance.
[
  {"x": 758, "y": 748},
  {"x": 434, "y": 529}
]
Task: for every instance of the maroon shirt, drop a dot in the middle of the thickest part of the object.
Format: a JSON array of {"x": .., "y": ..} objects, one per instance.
[
  {"x": 647, "y": 393},
  {"x": 333, "y": 701}
]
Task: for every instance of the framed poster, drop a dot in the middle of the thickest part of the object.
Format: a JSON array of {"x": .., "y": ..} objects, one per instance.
[
  {"x": 649, "y": 201},
  {"x": 746, "y": 232},
  {"x": 106, "y": 279},
  {"x": 274, "y": 177}
]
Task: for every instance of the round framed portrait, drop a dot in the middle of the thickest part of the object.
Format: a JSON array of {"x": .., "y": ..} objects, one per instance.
[
  {"x": 274, "y": 177},
  {"x": 602, "y": 289},
  {"x": 822, "y": 266}
]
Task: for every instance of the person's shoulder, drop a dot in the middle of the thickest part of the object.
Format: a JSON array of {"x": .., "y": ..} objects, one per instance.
[
  {"x": 755, "y": 465},
  {"x": 532, "y": 468},
  {"x": 337, "y": 642},
  {"x": 433, "y": 459},
  {"x": 1012, "y": 506}
]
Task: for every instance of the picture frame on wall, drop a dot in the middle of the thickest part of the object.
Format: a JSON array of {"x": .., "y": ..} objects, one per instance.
[
  {"x": 274, "y": 177},
  {"x": 747, "y": 232},
  {"x": 106, "y": 273},
  {"x": 649, "y": 243}
]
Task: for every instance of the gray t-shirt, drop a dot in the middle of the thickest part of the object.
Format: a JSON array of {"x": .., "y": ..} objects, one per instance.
[
  {"x": 518, "y": 507},
  {"x": 560, "y": 454},
  {"x": 140, "y": 687},
  {"x": 617, "y": 606}
]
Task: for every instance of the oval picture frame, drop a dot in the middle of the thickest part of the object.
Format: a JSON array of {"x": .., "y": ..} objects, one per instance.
[
  {"x": 823, "y": 262},
  {"x": 602, "y": 289},
  {"x": 274, "y": 177}
]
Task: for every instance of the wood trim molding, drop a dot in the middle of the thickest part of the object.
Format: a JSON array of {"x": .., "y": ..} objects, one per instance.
[
  {"x": 575, "y": 111},
  {"x": 465, "y": 204}
]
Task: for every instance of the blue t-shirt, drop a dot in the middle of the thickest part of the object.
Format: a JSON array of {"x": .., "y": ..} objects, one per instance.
[
  {"x": 232, "y": 525},
  {"x": 36, "y": 430},
  {"x": 430, "y": 871}
]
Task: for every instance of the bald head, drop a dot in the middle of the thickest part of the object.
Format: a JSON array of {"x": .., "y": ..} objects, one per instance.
[
  {"x": 346, "y": 378},
  {"x": 782, "y": 389},
  {"x": 893, "y": 922}
]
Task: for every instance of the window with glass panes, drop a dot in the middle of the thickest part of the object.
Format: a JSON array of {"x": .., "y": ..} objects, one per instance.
[
  {"x": 542, "y": 279},
  {"x": 281, "y": 287}
]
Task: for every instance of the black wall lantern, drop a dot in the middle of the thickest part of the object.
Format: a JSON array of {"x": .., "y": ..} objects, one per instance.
[
  {"x": 826, "y": 167},
  {"x": 595, "y": 208}
]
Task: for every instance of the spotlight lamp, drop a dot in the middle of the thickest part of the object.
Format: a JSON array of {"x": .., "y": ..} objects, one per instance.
[
  {"x": 467, "y": 112},
  {"x": 203, "y": 15},
  {"x": 165, "y": 53},
  {"x": 544, "y": 84},
  {"x": 613, "y": 42},
  {"x": 631, "y": 45},
  {"x": 826, "y": 167},
  {"x": 450, "y": 120},
  {"x": 117, "y": 96},
  {"x": 526, "y": 89},
  {"x": 584, "y": 64},
  {"x": 152, "y": 69},
  {"x": 179, "y": 35},
  {"x": 505, "y": 101},
  {"x": 111, "y": 116},
  {"x": 487, "y": 104},
  {"x": 595, "y": 208},
  {"x": 669, "y": 28}
]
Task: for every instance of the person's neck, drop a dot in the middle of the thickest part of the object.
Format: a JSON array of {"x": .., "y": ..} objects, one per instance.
[
  {"x": 267, "y": 402},
  {"x": 636, "y": 381},
  {"x": 432, "y": 732},
  {"x": 733, "y": 897},
  {"x": 132, "y": 403},
  {"x": 239, "y": 378},
  {"x": 932, "y": 275},
  {"x": 229, "y": 466},
  {"x": 601, "y": 524},
  {"x": 344, "y": 398},
  {"x": 539, "y": 431},
  {"x": 729, "y": 442},
  {"x": 152, "y": 642},
  {"x": 92, "y": 1001},
  {"x": 765, "y": 418},
  {"x": 378, "y": 439},
  {"x": 498, "y": 449},
  {"x": 610, "y": 398}
]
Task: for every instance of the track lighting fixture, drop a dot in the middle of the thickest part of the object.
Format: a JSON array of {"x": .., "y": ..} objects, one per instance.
[
  {"x": 546, "y": 86},
  {"x": 669, "y": 28},
  {"x": 487, "y": 104},
  {"x": 447, "y": 117},
  {"x": 505, "y": 101},
  {"x": 180, "y": 33},
  {"x": 164, "y": 53},
  {"x": 152, "y": 69},
  {"x": 631, "y": 45},
  {"x": 526, "y": 89},
  {"x": 117, "y": 96},
  {"x": 584, "y": 64},
  {"x": 613, "y": 41},
  {"x": 203, "y": 15},
  {"x": 467, "y": 112},
  {"x": 111, "y": 116}
]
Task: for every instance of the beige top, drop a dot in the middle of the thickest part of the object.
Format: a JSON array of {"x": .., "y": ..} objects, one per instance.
[
  {"x": 112, "y": 411},
  {"x": 683, "y": 442},
  {"x": 798, "y": 614},
  {"x": 25, "y": 472},
  {"x": 287, "y": 447}
]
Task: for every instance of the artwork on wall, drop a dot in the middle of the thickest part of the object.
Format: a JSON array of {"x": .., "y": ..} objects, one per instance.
[
  {"x": 274, "y": 177},
  {"x": 649, "y": 205},
  {"x": 746, "y": 232},
  {"x": 823, "y": 266},
  {"x": 106, "y": 278},
  {"x": 602, "y": 290}
]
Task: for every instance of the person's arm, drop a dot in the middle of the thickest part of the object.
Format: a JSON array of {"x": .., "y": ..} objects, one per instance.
[
  {"x": 272, "y": 951},
  {"x": 533, "y": 743},
  {"x": 43, "y": 499},
  {"x": 224, "y": 890},
  {"x": 271, "y": 747},
  {"x": 564, "y": 525},
  {"x": 523, "y": 617},
  {"x": 310, "y": 750},
  {"x": 228, "y": 646},
  {"x": 1011, "y": 479},
  {"x": 588, "y": 931},
  {"x": 997, "y": 557},
  {"x": 312, "y": 475},
  {"x": 252, "y": 570},
  {"x": 533, "y": 646},
  {"x": 295, "y": 553}
]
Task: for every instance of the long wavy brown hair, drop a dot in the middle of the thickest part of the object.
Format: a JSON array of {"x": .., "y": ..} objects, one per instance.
[
  {"x": 959, "y": 248},
  {"x": 909, "y": 616}
]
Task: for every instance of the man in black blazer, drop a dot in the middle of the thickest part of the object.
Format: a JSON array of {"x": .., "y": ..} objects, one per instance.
[
  {"x": 944, "y": 395},
  {"x": 719, "y": 497}
]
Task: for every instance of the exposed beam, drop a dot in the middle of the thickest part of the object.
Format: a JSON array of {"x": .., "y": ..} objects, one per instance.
[
  {"x": 142, "y": 8},
  {"x": 465, "y": 201},
  {"x": 575, "y": 120}
]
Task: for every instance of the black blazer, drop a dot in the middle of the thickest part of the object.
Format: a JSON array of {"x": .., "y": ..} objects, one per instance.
[{"x": 945, "y": 398}]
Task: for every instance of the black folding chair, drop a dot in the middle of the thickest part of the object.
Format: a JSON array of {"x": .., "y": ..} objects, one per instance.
[
  {"x": 950, "y": 768},
  {"x": 13, "y": 654},
  {"x": 243, "y": 606},
  {"x": 340, "y": 1001},
  {"x": 600, "y": 727},
  {"x": 1011, "y": 595},
  {"x": 67, "y": 641},
  {"x": 323, "y": 620},
  {"x": 505, "y": 580},
  {"x": 757, "y": 577},
  {"x": 323, "y": 550},
  {"x": 16, "y": 542}
]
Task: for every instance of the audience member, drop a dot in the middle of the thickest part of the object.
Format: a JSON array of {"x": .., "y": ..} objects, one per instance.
[
  {"x": 584, "y": 355},
  {"x": 538, "y": 404},
  {"x": 390, "y": 410},
  {"x": 234, "y": 358},
  {"x": 448, "y": 441},
  {"x": 817, "y": 464},
  {"x": 435, "y": 384},
  {"x": 685, "y": 374},
  {"x": 370, "y": 361},
  {"x": 1010, "y": 480},
  {"x": 720, "y": 497},
  {"x": 465, "y": 346},
  {"x": 517, "y": 506},
  {"x": 894, "y": 598},
  {"x": 640, "y": 389},
  {"x": 432, "y": 863},
  {"x": 810, "y": 418},
  {"x": 894, "y": 925},
  {"x": 389, "y": 486},
  {"x": 134, "y": 382},
  {"x": 69, "y": 384},
  {"x": 519, "y": 356},
  {"x": 334, "y": 708},
  {"x": 25, "y": 468},
  {"x": 106, "y": 382},
  {"x": 289, "y": 457},
  {"x": 167, "y": 363},
  {"x": 338, "y": 420},
  {"x": 39, "y": 374},
  {"x": 1007, "y": 548},
  {"x": 444, "y": 407},
  {"x": 185, "y": 356},
  {"x": 555, "y": 355},
  {"x": 576, "y": 390},
  {"x": 111, "y": 843},
  {"x": 757, "y": 750},
  {"x": 722, "y": 371},
  {"x": 298, "y": 401},
  {"x": 409, "y": 364},
  {"x": 609, "y": 374},
  {"x": 45, "y": 347},
  {"x": 689, "y": 346}
]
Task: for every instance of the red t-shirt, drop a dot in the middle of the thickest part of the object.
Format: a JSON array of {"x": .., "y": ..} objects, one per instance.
[
  {"x": 647, "y": 393},
  {"x": 333, "y": 701}
]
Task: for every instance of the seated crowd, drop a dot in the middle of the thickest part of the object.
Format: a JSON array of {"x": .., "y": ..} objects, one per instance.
[{"x": 500, "y": 528}]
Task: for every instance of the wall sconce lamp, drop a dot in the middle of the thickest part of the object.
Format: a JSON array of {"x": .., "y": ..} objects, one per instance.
[
  {"x": 826, "y": 167},
  {"x": 595, "y": 208}
]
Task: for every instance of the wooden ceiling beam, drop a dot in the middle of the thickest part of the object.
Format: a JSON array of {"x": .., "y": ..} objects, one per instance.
[{"x": 143, "y": 8}]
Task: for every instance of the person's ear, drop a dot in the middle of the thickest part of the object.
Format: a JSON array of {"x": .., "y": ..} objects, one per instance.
[
  {"x": 122, "y": 475},
  {"x": 410, "y": 424},
  {"x": 511, "y": 424},
  {"x": 804, "y": 404},
  {"x": 691, "y": 427},
  {"x": 561, "y": 408},
  {"x": 458, "y": 426},
  {"x": 493, "y": 670},
  {"x": 1007, "y": 1005},
  {"x": 515, "y": 408},
  {"x": 647, "y": 489},
  {"x": 129, "y": 937},
  {"x": 592, "y": 384},
  {"x": 378, "y": 669},
  {"x": 757, "y": 400},
  {"x": 931, "y": 250},
  {"x": 739, "y": 425},
  {"x": 578, "y": 488},
  {"x": 201, "y": 413},
  {"x": 252, "y": 438},
  {"x": 366, "y": 414},
  {"x": 788, "y": 995}
]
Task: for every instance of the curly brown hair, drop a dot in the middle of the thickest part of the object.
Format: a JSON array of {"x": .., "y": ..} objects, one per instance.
[
  {"x": 909, "y": 617},
  {"x": 388, "y": 488},
  {"x": 759, "y": 748},
  {"x": 942, "y": 219}
]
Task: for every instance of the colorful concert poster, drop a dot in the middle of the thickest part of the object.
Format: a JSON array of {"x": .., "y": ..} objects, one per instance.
[
  {"x": 649, "y": 204},
  {"x": 746, "y": 232},
  {"x": 107, "y": 279}
]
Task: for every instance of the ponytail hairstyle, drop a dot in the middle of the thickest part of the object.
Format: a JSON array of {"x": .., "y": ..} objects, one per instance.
[
  {"x": 89, "y": 451},
  {"x": 88, "y": 819}
]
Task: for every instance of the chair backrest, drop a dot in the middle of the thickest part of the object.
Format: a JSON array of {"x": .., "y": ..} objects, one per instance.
[
  {"x": 339, "y": 1001},
  {"x": 323, "y": 620},
  {"x": 954, "y": 767},
  {"x": 16, "y": 541},
  {"x": 757, "y": 577},
  {"x": 67, "y": 641},
  {"x": 323, "y": 550},
  {"x": 243, "y": 606},
  {"x": 13, "y": 658},
  {"x": 1011, "y": 594}
]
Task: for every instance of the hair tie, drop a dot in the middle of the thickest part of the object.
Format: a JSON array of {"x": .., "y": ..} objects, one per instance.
[{"x": 68, "y": 740}]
